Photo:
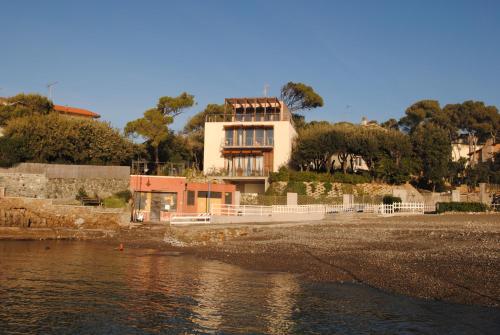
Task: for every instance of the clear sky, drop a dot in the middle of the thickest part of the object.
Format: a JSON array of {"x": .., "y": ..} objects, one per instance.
[{"x": 366, "y": 58}]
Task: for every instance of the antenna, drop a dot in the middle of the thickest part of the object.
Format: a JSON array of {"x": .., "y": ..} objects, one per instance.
[
  {"x": 49, "y": 87},
  {"x": 266, "y": 90}
]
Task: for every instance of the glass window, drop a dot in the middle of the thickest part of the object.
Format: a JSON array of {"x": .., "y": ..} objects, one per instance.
[
  {"x": 249, "y": 166},
  {"x": 229, "y": 136},
  {"x": 213, "y": 195},
  {"x": 140, "y": 200},
  {"x": 190, "y": 198},
  {"x": 228, "y": 198},
  {"x": 170, "y": 201},
  {"x": 259, "y": 136},
  {"x": 270, "y": 136},
  {"x": 240, "y": 136},
  {"x": 249, "y": 137},
  {"x": 259, "y": 162}
]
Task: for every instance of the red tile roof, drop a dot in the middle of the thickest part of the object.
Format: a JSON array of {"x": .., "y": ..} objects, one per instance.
[{"x": 76, "y": 111}]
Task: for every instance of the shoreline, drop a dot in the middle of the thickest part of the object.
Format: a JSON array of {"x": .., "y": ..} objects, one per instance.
[{"x": 453, "y": 257}]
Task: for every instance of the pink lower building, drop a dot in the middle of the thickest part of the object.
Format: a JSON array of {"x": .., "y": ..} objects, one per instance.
[{"x": 155, "y": 198}]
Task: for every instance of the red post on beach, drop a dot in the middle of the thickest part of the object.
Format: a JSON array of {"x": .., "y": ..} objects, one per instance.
[{"x": 121, "y": 247}]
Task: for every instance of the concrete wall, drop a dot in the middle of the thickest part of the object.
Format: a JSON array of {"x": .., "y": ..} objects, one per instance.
[
  {"x": 284, "y": 135},
  {"x": 71, "y": 171},
  {"x": 275, "y": 217},
  {"x": 63, "y": 181}
]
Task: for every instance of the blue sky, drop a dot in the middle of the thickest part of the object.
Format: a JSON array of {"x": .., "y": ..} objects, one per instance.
[{"x": 366, "y": 58}]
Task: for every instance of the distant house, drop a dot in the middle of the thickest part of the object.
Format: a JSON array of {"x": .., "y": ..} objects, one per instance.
[
  {"x": 63, "y": 110},
  {"x": 485, "y": 153},
  {"x": 76, "y": 112}
]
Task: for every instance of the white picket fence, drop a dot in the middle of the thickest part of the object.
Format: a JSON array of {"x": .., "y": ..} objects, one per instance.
[{"x": 247, "y": 210}]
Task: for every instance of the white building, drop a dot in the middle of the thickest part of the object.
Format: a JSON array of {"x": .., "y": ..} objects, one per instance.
[{"x": 252, "y": 138}]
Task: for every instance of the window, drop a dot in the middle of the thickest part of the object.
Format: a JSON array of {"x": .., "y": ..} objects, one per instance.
[
  {"x": 169, "y": 201},
  {"x": 229, "y": 136},
  {"x": 213, "y": 195},
  {"x": 270, "y": 136},
  {"x": 259, "y": 161},
  {"x": 240, "y": 136},
  {"x": 259, "y": 136},
  {"x": 190, "y": 198},
  {"x": 228, "y": 198},
  {"x": 249, "y": 137}
]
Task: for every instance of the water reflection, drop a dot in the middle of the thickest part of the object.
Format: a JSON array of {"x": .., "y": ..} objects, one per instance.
[{"x": 82, "y": 288}]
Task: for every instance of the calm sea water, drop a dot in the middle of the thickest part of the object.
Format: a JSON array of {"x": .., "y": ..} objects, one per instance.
[{"x": 88, "y": 288}]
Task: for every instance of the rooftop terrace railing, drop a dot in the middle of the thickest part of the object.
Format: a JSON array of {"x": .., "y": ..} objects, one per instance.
[{"x": 259, "y": 117}]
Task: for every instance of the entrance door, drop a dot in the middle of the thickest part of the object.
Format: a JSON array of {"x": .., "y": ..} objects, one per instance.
[
  {"x": 156, "y": 206},
  {"x": 205, "y": 204}
]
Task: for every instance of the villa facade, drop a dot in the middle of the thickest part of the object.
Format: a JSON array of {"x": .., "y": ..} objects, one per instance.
[{"x": 253, "y": 137}]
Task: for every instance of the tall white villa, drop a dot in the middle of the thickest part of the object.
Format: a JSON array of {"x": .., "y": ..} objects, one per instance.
[{"x": 253, "y": 137}]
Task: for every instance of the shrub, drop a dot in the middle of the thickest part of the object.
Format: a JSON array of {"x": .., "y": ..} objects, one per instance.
[
  {"x": 81, "y": 194},
  {"x": 283, "y": 174},
  {"x": 126, "y": 195},
  {"x": 296, "y": 187},
  {"x": 460, "y": 207},
  {"x": 389, "y": 199},
  {"x": 114, "y": 202},
  {"x": 328, "y": 187},
  {"x": 314, "y": 186}
]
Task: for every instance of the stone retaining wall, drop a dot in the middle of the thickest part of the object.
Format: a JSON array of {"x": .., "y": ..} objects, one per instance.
[
  {"x": 41, "y": 213},
  {"x": 57, "y": 181}
]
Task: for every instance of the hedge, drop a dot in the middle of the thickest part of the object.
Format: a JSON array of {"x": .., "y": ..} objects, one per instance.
[
  {"x": 389, "y": 199},
  {"x": 287, "y": 175},
  {"x": 442, "y": 207}
]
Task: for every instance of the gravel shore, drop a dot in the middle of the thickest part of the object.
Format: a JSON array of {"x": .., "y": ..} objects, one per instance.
[{"x": 453, "y": 257}]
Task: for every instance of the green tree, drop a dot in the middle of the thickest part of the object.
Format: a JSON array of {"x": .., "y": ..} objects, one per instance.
[
  {"x": 173, "y": 106},
  {"x": 194, "y": 130},
  {"x": 475, "y": 120},
  {"x": 391, "y": 124},
  {"x": 153, "y": 127},
  {"x": 55, "y": 138},
  {"x": 432, "y": 146},
  {"x": 24, "y": 105},
  {"x": 299, "y": 97}
]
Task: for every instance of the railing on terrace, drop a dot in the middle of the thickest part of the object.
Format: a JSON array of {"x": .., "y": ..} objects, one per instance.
[
  {"x": 240, "y": 173},
  {"x": 246, "y": 117},
  {"x": 257, "y": 142},
  {"x": 160, "y": 169}
]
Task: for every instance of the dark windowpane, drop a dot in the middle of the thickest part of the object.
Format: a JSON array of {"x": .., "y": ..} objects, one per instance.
[
  {"x": 190, "y": 198},
  {"x": 213, "y": 195},
  {"x": 228, "y": 198}
]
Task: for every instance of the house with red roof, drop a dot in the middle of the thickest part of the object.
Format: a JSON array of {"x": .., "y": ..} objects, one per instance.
[{"x": 76, "y": 112}]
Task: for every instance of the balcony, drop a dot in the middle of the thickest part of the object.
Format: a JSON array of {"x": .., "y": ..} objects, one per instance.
[
  {"x": 258, "y": 142},
  {"x": 241, "y": 173}
]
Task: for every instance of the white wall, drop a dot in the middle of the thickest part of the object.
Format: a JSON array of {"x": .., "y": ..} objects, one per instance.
[
  {"x": 212, "y": 155},
  {"x": 284, "y": 135}
]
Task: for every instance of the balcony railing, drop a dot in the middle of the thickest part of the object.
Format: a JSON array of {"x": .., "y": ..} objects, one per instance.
[
  {"x": 258, "y": 142},
  {"x": 246, "y": 172},
  {"x": 247, "y": 117}
]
